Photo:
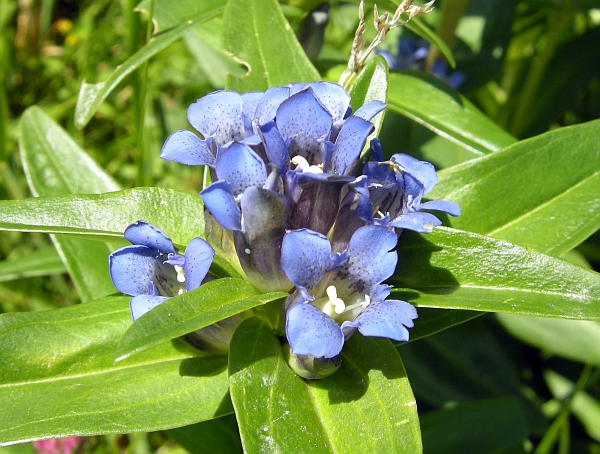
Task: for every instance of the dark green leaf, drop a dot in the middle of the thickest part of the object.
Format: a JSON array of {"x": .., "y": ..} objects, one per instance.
[
  {"x": 191, "y": 311},
  {"x": 460, "y": 270},
  {"x": 105, "y": 216},
  {"x": 366, "y": 406},
  {"x": 92, "y": 95},
  {"x": 59, "y": 378},
  {"x": 257, "y": 34},
  {"x": 41, "y": 262},
  {"x": 482, "y": 427},
  {"x": 54, "y": 164},
  {"x": 541, "y": 193},
  {"x": 431, "y": 321},
  {"x": 216, "y": 436},
  {"x": 429, "y": 101}
]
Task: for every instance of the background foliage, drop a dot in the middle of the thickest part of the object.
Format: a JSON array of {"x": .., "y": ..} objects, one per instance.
[{"x": 91, "y": 89}]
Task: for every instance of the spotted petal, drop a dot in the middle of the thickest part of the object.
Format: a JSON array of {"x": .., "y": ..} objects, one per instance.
[
  {"x": 349, "y": 144},
  {"x": 269, "y": 103},
  {"x": 275, "y": 147},
  {"x": 139, "y": 305},
  {"x": 218, "y": 199},
  {"x": 333, "y": 97},
  {"x": 385, "y": 319},
  {"x": 311, "y": 332},
  {"x": 304, "y": 120},
  {"x": 370, "y": 109},
  {"x": 186, "y": 148},
  {"x": 241, "y": 167},
  {"x": 218, "y": 115},
  {"x": 305, "y": 257},
  {"x": 416, "y": 221},
  {"x": 198, "y": 258},
  {"x": 145, "y": 234}
]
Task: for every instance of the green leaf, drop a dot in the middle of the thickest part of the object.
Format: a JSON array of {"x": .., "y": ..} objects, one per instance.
[
  {"x": 92, "y": 95},
  {"x": 432, "y": 321},
  {"x": 550, "y": 336},
  {"x": 427, "y": 100},
  {"x": 371, "y": 84},
  {"x": 168, "y": 14},
  {"x": 58, "y": 377},
  {"x": 540, "y": 193},
  {"x": 366, "y": 406},
  {"x": 418, "y": 26},
  {"x": 41, "y": 262},
  {"x": 461, "y": 270},
  {"x": 257, "y": 34},
  {"x": 54, "y": 164},
  {"x": 191, "y": 311},
  {"x": 105, "y": 216},
  {"x": 216, "y": 436},
  {"x": 484, "y": 427}
]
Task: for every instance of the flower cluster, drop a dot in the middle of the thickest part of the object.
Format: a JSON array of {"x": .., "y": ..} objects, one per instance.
[{"x": 289, "y": 196}]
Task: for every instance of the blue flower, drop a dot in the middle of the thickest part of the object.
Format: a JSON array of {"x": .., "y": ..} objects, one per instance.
[
  {"x": 337, "y": 294},
  {"x": 396, "y": 188},
  {"x": 151, "y": 270}
]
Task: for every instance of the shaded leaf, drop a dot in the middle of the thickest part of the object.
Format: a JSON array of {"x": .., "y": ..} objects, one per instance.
[
  {"x": 191, "y": 311},
  {"x": 59, "y": 378},
  {"x": 41, "y": 262},
  {"x": 366, "y": 406},
  {"x": 215, "y": 436}
]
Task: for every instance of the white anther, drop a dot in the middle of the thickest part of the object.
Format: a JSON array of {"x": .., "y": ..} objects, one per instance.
[
  {"x": 180, "y": 273},
  {"x": 301, "y": 162},
  {"x": 337, "y": 303},
  {"x": 181, "y": 291},
  {"x": 366, "y": 302}
]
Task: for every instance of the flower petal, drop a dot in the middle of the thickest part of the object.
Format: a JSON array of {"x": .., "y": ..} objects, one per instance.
[
  {"x": 198, "y": 258},
  {"x": 369, "y": 110},
  {"x": 145, "y": 234},
  {"x": 249, "y": 102},
  {"x": 218, "y": 199},
  {"x": 305, "y": 257},
  {"x": 372, "y": 259},
  {"x": 421, "y": 170},
  {"x": 275, "y": 148},
  {"x": 269, "y": 103},
  {"x": 259, "y": 245},
  {"x": 416, "y": 221},
  {"x": 218, "y": 115},
  {"x": 303, "y": 119},
  {"x": 241, "y": 167},
  {"x": 333, "y": 96},
  {"x": 186, "y": 148},
  {"x": 385, "y": 319},
  {"x": 139, "y": 305},
  {"x": 311, "y": 332},
  {"x": 349, "y": 144},
  {"x": 441, "y": 205}
]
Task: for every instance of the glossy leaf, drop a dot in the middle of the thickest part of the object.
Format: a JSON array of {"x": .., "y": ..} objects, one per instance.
[
  {"x": 257, "y": 34},
  {"x": 168, "y": 14},
  {"x": 58, "y": 377},
  {"x": 540, "y": 193},
  {"x": 54, "y": 164},
  {"x": 215, "y": 436},
  {"x": 191, "y": 311},
  {"x": 92, "y": 95},
  {"x": 105, "y": 216},
  {"x": 429, "y": 101},
  {"x": 41, "y": 262},
  {"x": 481, "y": 427},
  {"x": 577, "y": 340},
  {"x": 366, "y": 406},
  {"x": 453, "y": 269},
  {"x": 371, "y": 84}
]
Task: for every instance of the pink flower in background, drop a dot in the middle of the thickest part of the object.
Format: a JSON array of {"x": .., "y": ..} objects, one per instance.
[{"x": 58, "y": 445}]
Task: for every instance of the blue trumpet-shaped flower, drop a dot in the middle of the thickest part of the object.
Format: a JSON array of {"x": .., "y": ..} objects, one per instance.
[
  {"x": 337, "y": 294},
  {"x": 151, "y": 270}
]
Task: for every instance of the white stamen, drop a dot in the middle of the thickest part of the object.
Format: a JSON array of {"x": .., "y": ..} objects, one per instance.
[
  {"x": 337, "y": 303},
  {"x": 181, "y": 291},
  {"x": 247, "y": 251},
  {"x": 180, "y": 273},
  {"x": 366, "y": 302},
  {"x": 301, "y": 162}
]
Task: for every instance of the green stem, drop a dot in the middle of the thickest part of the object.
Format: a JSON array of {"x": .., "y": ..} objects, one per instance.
[{"x": 451, "y": 14}]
